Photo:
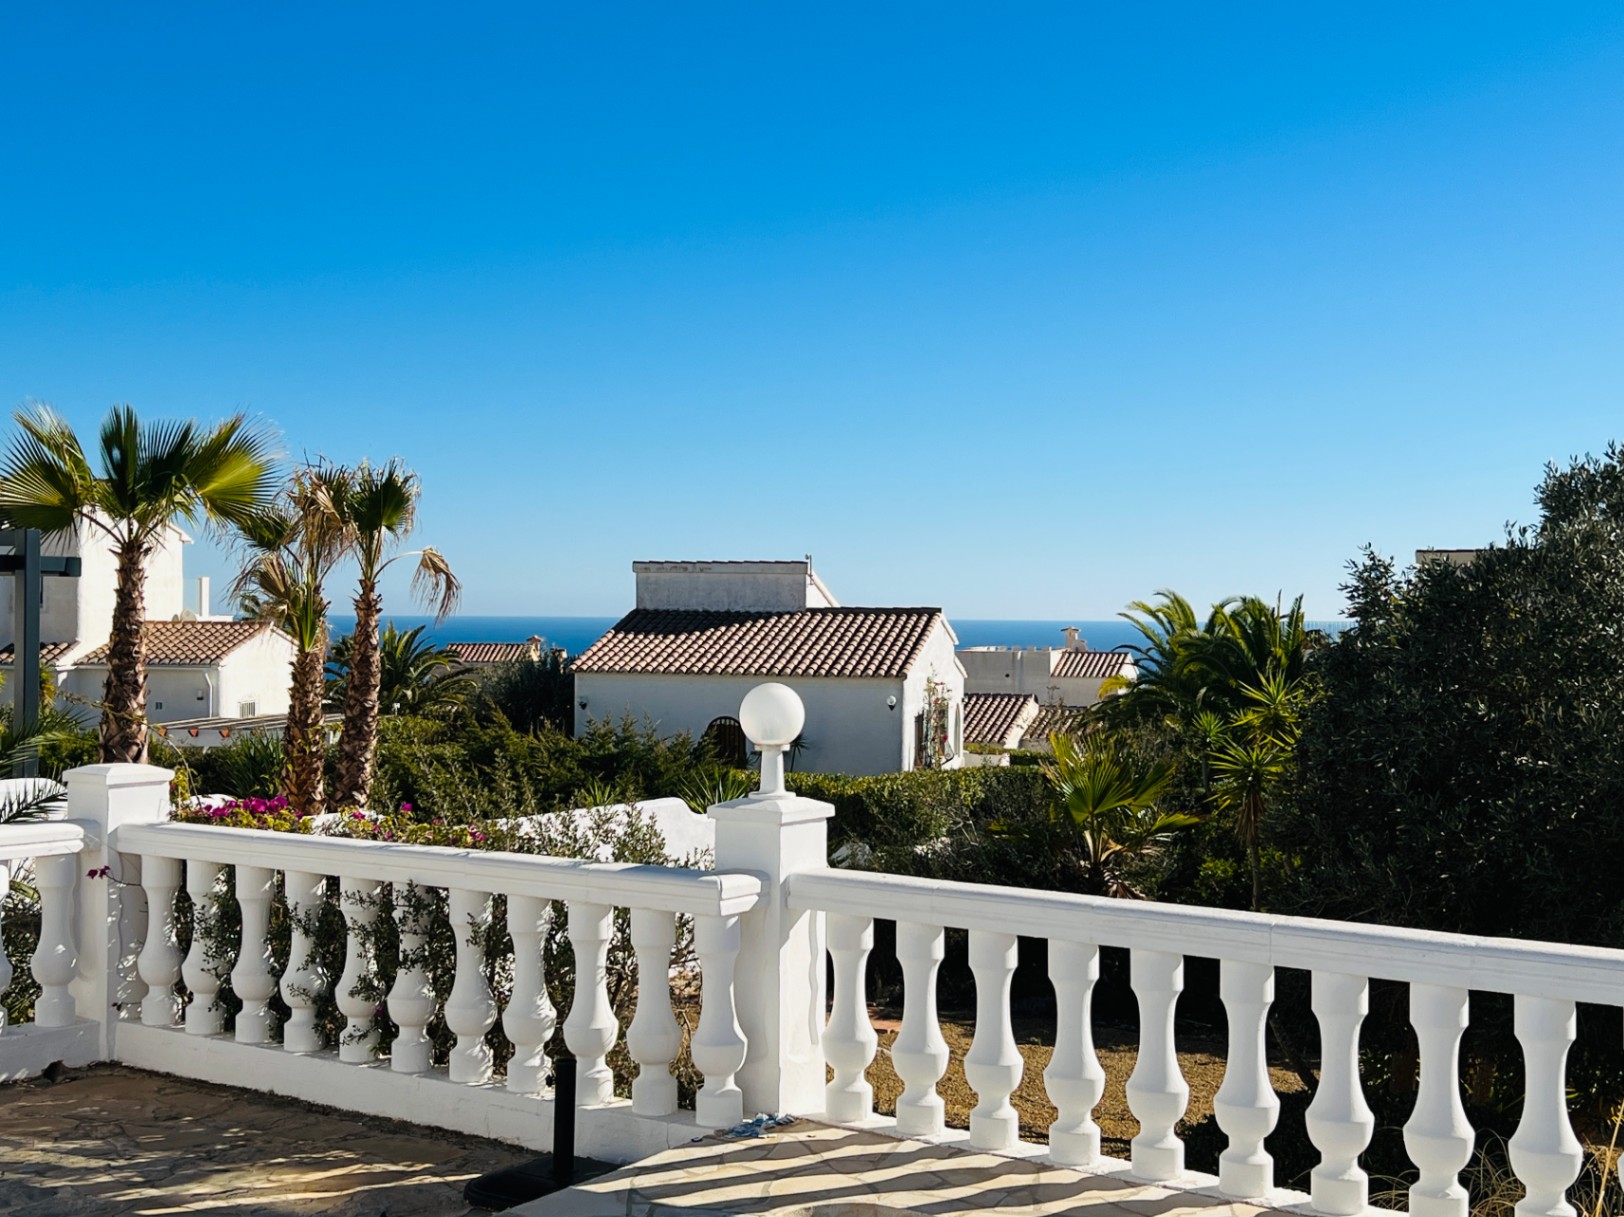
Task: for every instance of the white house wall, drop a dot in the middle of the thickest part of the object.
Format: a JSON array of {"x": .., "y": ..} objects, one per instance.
[
  {"x": 849, "y": 729},
  {"x": 259, "y": 671},
  {"x": 937, "y": 661}
]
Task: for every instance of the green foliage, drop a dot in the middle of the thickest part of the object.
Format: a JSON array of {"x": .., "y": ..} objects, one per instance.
[
  {"x": 528, "y": 694},
  {"x": 414, "y": 676},
  {"x": 710, "y": 786}
]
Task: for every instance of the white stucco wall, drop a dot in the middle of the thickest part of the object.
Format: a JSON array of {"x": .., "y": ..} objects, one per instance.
[
  {"x": 1027, "y": 670},
  {"x": 756, "y": 587},
  {"x": 937, "y": 661},
  {"x": 260, "y": 671}
]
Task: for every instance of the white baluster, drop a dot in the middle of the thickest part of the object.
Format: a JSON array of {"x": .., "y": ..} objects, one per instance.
[
  {"x": 303, "y": 980},
  {"x": 470, "y": 1011},
  {"x": 56, "y": 958},
  {"x": 591, "y": 1028},
  {"x": 1074, "y": 1079},
  {"x": 919, "y": 1052},
  {"x": 718, "y": 1045},
  {"x": 411, "y": 997},
  {"x": 159, "y": 961},
  {"x": 1246, "y": 1105},
  {"x": 529, "y": 1019},
  {"x": 993, "y": 1065},
  {"x": 5, "y": 962},
  {"x": 1437, "y": 1135},
  {"x": 358, "y": 900},
  {"x": 203, "y": 1016},
  {"x": 1339, "y": 1122},
  {"x": 1544, "y": 1152},
  {"x": 251, "y": 977},
  {"x": 1157, "y": 1092},
  {"x": 653, "y": 1038},
  {"x": 849, "y": 1041}
]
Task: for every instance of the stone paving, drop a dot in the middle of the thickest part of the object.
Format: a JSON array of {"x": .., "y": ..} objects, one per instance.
[
  {"x": 117, "y": 1142},
  {"x": 814, "y": 1170}
]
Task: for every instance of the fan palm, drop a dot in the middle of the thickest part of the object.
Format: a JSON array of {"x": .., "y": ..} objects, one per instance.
[
  {"x": 291, "y": 550},
  {"x": 150, "y": 476},
  {"x": 379, "y": 506},
  {"x": 413, "y": 676}
]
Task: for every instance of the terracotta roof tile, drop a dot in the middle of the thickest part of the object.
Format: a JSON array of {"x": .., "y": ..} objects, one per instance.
[
  {"x": 997, "y": 718},
  {"x": 1050, "y": 719},
  {"x": 188, "y": 643},
  {"x": 1090, "y": 665},
  {"x": 49, "y": 652},
  {"x": 491, "y": 652},
  {"x": 851, "y": 642}
]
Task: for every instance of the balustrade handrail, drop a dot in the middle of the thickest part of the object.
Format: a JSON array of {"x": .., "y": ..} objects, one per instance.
[
  {"x": 625, "y": 884},
  {"x": 40, "y": 840},
  {"x": 1502, "y": 965}
]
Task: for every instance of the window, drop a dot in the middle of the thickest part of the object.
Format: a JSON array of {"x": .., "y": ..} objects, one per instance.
[
  {"x": 247, "y": 709},
  {"x": 726, "y": 739}
]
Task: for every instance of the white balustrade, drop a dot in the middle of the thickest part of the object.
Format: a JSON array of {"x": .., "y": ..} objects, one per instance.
[
  {"x": 1246, "y": 1105},
  {"x": 159, "y": 961},
  {"x": 1437, "y": 1135},
  {"x": 591, "y": 1028},
  {"x": 251, "y": 977},
  {"x": 994, "y": 1064},
  {"x": 358, "y": 901},
  {"x": 303, "y": 981},
  {"x": 529, "y": 1020},
  {"x": 56, "y": 958},
  {"x": 919, "y": 1053},
  {"x": 1544, "y": 1152},
  {"x": 653, "y": 1039},
  {"x": 470, "y": 1010},
  {"x": 849, "y": 1041},
  {"x": 203, "y": 1014},
  {"x": 1339, "y": 1121},
  {"x": 1074, "y": 1080},
  {"x": 411, "y": 998},
  {"x": 718, "y": 1046},
  {"x": 1157, "y": 1092}
]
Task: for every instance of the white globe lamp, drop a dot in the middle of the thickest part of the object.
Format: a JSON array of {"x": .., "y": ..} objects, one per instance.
[{"x": 772, "y": 716}]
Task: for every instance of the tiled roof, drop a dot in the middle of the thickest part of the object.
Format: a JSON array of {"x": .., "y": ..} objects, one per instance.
[
  {"x": 1051, "y": 719},
  {"x": 997, "y": 718},
  {"x": 872, "y": 642},
  {"x": 188, "y": 643},
  {"x": 1090, "y": 665},
  {"x": 491, "y": 652},
  {"x": 49, "y": 652}
]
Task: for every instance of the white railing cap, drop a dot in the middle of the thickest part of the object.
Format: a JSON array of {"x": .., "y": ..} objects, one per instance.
[{"x": 41, "y": 839}]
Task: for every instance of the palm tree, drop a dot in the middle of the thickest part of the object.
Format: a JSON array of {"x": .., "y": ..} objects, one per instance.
[
  {"x": 150, "y": 477},
  {"x": 1169, "y": 684},
  {"x": 291, "y": 550},
  {"x": 413, "y": 676},
  {"x": 1111, "y": 798},
  {"x": 379, "y": 507}
]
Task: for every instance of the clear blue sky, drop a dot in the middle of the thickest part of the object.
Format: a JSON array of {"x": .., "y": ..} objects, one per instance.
[{"x": 1021, "y": 310}]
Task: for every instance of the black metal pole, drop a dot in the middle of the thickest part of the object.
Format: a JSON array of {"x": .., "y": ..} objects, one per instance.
[
  {"x": 564, "y": 1118},
  {"x": 29, "y": 590}
]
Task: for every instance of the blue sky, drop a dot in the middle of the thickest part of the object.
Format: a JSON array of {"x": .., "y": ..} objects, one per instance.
[{"x": 1024, "y": 311}]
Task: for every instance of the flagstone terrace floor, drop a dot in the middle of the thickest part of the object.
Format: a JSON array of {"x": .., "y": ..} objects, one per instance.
[{"x": 119, "y": 1142}]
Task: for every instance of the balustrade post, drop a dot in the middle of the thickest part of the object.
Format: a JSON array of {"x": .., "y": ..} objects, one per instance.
[
  {"x": 251, "y": 977},
  {"x": 1074, "y": 1079},
  {"x": 653, "y": 1039},
  {"x": 303, "y": 980},
  {"x": 470, "y": 1010},
  {"x": 849, "y": 1041},
  {"x": 529, "y": 1019},
  {"x": 411, "y": 997},
  {"x": 919, "y": 1053},
  {"x": 56, "y": 959},
  {"x": 1246, "y": 1105},
  {"x": 718, "y": 1045},
  {"x": 1339, "y": 1121},
  {"x": 590, "y": 1029},
  {"x": 159, "y": 961},
  {"x": 203, "y": 1016},
  {"x": 994, "y": 1064},
  {"x": 1544, "y": 1152},
  {"x": 1157, "y": 1092},
  {"x": 1437, "y": 1135},
  {"x": 358, "y": 901}
]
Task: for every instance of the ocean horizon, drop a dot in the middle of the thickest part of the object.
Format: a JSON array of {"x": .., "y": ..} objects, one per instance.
[{"x": 575, "y": 634}]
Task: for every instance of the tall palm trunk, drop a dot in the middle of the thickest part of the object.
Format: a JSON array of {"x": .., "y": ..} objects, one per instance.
[
  {"x": 359, "y": 746},
  {"x": 303, "y": 746},
  {"x": 124, "y": 696}
]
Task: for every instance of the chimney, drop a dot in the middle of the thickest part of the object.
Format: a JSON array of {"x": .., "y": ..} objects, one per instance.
[
  {"x": 202, "y": 597},
  {"x": 1073, "y": 643}
]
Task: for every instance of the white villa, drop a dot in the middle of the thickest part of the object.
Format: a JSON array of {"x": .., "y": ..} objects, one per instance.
[
  {"x": 882, "y": 685},
  {"x": 199, "y": 665},
  {"x": 1068, "y": 675}
]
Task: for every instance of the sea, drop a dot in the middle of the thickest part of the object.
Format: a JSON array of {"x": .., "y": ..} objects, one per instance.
[{"x": 575, "y": 634}]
